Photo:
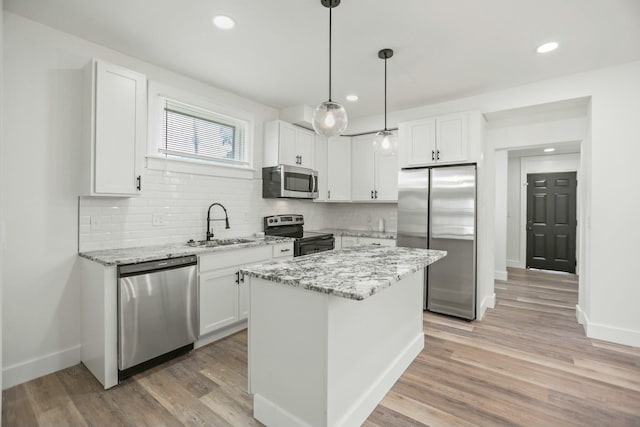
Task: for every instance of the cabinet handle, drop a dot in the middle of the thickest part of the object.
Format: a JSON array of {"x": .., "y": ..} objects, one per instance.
[
  {"x": 375, "y": 194},
  {"x": 241, "y": 277},
  {"x": 433, "y": 154},
  {"x": 139, "y": 182},
  {"x": 328, "y": 194},
  {"x": 300, "y": 159},
  {"x": 237, "y": 277},
  {"x": 437, "y": 154},
  {"x": 372, "y": 194},
  {"x": 284, "y": 250}
]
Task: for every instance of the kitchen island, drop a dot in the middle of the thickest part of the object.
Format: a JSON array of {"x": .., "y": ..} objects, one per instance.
[{"x": 329, "y": 334}]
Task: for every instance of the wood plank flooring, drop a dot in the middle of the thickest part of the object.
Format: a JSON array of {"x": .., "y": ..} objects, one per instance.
[{"x": 528, "y": 363}]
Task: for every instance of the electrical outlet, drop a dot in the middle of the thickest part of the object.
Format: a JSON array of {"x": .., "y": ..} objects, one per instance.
[
  {"x": 96, "y": 223},
  {"x": 158, "y": 220}
]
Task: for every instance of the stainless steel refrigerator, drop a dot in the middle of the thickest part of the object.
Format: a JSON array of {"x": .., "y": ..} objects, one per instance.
[{"x": 437, "y": 210}]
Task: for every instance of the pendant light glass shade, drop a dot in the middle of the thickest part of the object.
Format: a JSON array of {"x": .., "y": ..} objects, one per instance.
[
  {"x": 385, "y": 142},
  {"x": 329, "y": 119}
]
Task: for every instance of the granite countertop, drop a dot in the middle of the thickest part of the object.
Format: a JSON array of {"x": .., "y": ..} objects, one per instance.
[
  {"x": 358, "y": 233},
  {"x": 151, "y": 253},
  {"x": 354, "y": 273}
]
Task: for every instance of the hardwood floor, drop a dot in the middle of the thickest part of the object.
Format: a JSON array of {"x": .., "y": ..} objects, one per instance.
[{"x": 528, "y": 363}]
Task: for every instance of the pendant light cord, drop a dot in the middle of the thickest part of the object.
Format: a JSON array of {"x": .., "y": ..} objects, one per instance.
[
  {"x": 329, "y": 54},
  {"x": 385, "y": 93}
]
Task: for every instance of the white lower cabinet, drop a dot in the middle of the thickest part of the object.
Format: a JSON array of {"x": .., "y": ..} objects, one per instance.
[{"x": 224, "y": 296}]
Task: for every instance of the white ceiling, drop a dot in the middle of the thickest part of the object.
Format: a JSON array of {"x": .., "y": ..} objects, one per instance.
[{"x": 278, "y": 52}]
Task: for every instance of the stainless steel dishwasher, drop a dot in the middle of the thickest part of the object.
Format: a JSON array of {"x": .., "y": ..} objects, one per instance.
[{"x": 157, "y": 312}]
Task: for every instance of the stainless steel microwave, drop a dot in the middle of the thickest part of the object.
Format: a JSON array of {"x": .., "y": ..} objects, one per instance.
[{"x": 284, "y": 181}]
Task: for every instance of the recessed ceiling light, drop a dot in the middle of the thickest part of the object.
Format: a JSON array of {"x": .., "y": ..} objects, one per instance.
[
  {"x": 547, "y": 47},
  {"x": 549, "y": 150},
  {"x": 352, "y": 97},
  {"x": 223, "y": 22}
]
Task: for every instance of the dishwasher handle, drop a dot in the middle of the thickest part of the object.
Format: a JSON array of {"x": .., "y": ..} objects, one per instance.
[{"x": 158, "y": 265}]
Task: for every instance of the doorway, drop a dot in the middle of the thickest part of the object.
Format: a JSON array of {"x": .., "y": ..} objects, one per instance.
[{"x": 551, "y": 221}]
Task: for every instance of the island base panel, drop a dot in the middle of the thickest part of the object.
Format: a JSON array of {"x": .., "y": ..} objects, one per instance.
[{"x": 322, "y": 360}]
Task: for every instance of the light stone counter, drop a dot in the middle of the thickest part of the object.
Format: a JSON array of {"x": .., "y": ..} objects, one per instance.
[
  {"x": 174, "y": 250},
  {"x": 355, "y": 273}
]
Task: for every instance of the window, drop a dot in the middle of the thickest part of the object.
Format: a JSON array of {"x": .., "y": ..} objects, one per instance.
[{"x": 193, "y": 133}]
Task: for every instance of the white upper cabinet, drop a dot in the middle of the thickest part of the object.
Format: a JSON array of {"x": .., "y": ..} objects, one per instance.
[
  {"x": 362, "y": 168},
  {"x": 374, "y": 175},
  {"x": 288, "y": 144},
  {"x": 115, "y": 126},
  {"x": 339, "y": 169},
  {"x": 386, "y": 177},
  {"x": 434, "y": 140}
]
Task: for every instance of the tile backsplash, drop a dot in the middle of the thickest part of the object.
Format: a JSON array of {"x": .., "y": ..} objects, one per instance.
[{"x": 173, "y": 208}]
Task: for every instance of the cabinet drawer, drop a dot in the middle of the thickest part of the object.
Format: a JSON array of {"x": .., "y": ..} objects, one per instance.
[
  {"x": 233, "y": 257},
  {"x": 349, "y": 241},
  {"x": 283, "y": 250},
  {"x": 377, "y": 242}
]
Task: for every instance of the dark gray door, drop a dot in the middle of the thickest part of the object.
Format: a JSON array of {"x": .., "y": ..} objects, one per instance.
[{"x": 551, "y": 221}]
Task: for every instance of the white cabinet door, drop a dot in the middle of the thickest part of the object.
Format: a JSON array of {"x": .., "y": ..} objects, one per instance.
[
  {"x": 243, "y": 298},
  {"x": 362, "y": 168},
  {"x": 418, "y": 142},
  {"x": 339, "y": 169},
  {"x": 119, "y": 129},
  {"x": 451, "y": 132},
  {"x": 386, "y": 177},
  {"x": 287, "y": 144},
  {"x": 218, "y": 299},
  {"x": 305, "y": 143},
  {"x": 321, "y": 167}
]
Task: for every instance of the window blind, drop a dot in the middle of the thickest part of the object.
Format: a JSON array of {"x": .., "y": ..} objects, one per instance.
[{"x": 191, "y": 132}]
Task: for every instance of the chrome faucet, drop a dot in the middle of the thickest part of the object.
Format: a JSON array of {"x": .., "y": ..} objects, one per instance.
[{"x": 226, "y": 219}]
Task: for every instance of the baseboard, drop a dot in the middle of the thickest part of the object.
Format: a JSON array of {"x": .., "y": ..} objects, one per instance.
[
  {"x": 270, "y": 414},
  {"x": 581, "y": 316},
  {"x": 35, "y": 368},
  {"x": 219, "y": 334},
  {"x": 609, "y": 333},
  {"x": 500, "y": 275},
  {"x": 488, "y": 302},
  {"x": 515, "y": 263}
]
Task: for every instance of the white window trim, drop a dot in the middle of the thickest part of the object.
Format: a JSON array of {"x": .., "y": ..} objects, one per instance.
[{"x": 157, "y": 94}]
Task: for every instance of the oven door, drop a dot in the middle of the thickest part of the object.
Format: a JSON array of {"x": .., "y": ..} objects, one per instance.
[
  {"x": 298, "y": 182},
  {"x": 307, "y": 247}
]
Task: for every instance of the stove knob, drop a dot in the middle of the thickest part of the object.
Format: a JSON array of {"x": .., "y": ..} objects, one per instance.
[{"x": 271, "y": 220}]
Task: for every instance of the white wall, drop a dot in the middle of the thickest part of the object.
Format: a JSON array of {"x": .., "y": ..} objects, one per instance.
[
  {"x": 608, "y": 284},
  {"x": 501, "y": 215},
  {"x": 2, "y": 226},
  {"x": 513, "y": 213}
]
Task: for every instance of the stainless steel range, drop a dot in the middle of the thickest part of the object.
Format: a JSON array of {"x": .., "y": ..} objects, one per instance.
[{"x": 306, "y": 242}]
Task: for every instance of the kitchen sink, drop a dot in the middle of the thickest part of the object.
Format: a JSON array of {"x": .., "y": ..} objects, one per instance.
[{"x": 217, "y": 242}]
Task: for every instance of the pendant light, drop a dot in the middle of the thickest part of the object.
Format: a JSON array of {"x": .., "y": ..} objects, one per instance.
[
  {"x": 385, "y": 141},
  {"x": 329, "y": 118}
]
